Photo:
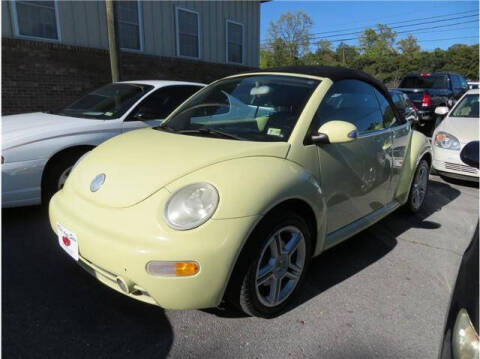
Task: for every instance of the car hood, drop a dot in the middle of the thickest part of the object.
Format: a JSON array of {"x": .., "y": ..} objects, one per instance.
[
  {"x": 139, "y": 163},
  {"x": 463, "y": 128},
  {"x": 31, "y": 127}
]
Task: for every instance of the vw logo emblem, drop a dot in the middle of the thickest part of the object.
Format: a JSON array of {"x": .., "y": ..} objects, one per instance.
[{"x": 97, "y": 182}]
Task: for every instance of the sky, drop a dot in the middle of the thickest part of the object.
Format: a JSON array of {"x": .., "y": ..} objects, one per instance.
[{"x": 345, "y": 17}]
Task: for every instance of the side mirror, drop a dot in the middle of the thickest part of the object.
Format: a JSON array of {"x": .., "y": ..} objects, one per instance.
[
  {"x": 336, "y": 132},
  {"x": 441, "y": 110},
  {"x": 469, "y": 154}
]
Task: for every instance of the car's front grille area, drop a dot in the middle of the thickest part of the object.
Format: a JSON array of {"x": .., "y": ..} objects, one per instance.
[{"x": 460, "y": 168}]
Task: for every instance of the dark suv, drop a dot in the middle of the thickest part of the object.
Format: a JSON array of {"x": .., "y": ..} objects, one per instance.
[{"x": 429, "y": 90}]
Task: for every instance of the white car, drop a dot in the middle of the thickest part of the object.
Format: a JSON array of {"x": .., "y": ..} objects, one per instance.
[
  {"x": 473, "y": 85},
  {"x": 40, "y": 149},
  {"x": 459, "y": 127}
]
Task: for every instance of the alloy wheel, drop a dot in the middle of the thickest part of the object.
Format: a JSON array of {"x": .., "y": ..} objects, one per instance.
[
  {"x": 63, "y": 177},
  {"x": 280, "y": 266},
  {"x": 419, "y": 188}
]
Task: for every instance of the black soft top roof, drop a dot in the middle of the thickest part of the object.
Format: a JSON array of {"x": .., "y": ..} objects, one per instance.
[{"x": 333, "y": 73}]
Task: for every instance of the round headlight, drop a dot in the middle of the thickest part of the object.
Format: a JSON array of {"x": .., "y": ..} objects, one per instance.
[
  {"x": 447, "y": 141},
  {"x": 191, "y": 206}
]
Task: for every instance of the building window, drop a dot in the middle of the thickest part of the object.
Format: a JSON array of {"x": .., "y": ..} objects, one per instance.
[
  {"x": 188, "y": 33},
  {"x": 38, "y": 19},
  {"x": 129, "y": 24},
  {"x": 234, "y": 42}
]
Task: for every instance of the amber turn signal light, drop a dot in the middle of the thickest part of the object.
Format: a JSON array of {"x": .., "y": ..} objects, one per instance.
[{"x": 172, "y": 269}]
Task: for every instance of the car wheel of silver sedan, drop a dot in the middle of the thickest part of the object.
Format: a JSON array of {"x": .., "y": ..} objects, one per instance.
[
  {"x": 63, "y": 177},
  {"x": 56, "y": 173},
  {"x": 274, "y": 264},
  {"x": 419, "y": 188}
]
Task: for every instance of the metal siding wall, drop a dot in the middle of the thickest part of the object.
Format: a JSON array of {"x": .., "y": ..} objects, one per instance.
[
  {"x": 256, "y": 37},
  {"x": 166, "y": 27},
  {"x": 149, "y": 35},
  {"x": 67, "y": 23},
  {"x": 102, "y": 24},
  {"x": 7, "y": 26},
  {"x": 92, "y": 27},
  {"x": 83, "y": 23},
  {"x": 78, "y": 24}
]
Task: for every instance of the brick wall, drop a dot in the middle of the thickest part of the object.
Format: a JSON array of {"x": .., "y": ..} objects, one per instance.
[{"x": 38, "y": 76}]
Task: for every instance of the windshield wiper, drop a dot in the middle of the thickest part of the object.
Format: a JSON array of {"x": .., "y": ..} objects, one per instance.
[{"x": 212, "y": 131}]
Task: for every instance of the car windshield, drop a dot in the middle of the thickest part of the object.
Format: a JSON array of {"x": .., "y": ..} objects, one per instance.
[
  {"x": 108, "y": 102},
  {"x": 467, "y": 107},
  {"x": 425, "y": 82},
  {"x": 253, "y": 108}
]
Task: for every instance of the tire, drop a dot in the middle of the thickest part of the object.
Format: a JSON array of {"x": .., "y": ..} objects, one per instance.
[
  {"x": 418, "y": 188},
  {"x": 285, "y": 271},
  {"x": 56, "y": 174}
]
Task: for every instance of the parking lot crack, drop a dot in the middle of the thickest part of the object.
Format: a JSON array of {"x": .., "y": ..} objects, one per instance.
[{"x": 429, "y": 245}]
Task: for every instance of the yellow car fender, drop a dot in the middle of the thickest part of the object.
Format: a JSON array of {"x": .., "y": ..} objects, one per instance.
[{"x": 253, "y": 186}]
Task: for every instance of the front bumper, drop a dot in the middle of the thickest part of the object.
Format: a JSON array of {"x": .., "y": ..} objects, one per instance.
[
  {"x": 448, "y": 163},
  {"x": 121, "y": 241}
]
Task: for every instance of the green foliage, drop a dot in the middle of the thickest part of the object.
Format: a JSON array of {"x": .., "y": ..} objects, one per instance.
[
  {"x": 378, "y": 53},
  {"x": 290, "y": 36}
]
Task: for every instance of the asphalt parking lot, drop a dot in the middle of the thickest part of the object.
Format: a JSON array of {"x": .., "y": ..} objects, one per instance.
[{"x": 383, "y": 293}]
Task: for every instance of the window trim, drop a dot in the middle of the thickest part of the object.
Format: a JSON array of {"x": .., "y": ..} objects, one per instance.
[
  {"x": 140, "y": 28},
  {"x": 177, "y": 33},
  {"x": 226, "y": 42},
  {"x": 16, "y": 27}
]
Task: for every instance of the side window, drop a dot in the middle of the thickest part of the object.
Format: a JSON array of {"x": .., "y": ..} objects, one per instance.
[
  {"x": 463, "y": 82},
  {"x": 388, "y": 114},
  {"x": 162, "y": 102},
  {"x": 455, "y": 82},
  {"x": 351, "y": 101}
]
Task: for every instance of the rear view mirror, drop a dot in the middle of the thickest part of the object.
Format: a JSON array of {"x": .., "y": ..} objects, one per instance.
[
  {"x": 144, "y": 114},
  {"x": 336, "y": 132},
  {"x": 441, "y": 110}
]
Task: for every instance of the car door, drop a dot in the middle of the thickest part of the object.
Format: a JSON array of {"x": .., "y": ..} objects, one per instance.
[
  {"x": 157, "y": 106},
  {"x": 354, "y": 176},
  {"x": 400, "y": 132}
]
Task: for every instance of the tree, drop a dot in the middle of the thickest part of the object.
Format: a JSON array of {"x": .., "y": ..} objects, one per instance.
[
  {"x": 377, "y": 42},
  {"x": 324, "y": 55},
  {"x": 288, "y": 43},
  {"x": 346, "y": 54},
  {"x": 292, "y": 33},
  {"x": 409, "y": 45},
  {"x": 275, "y": 54},
  {"x": 462, "y": 59}
]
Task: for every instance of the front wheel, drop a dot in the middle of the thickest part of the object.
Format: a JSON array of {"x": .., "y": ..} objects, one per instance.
[
  {"x": 419, "y": 188},
  {"x": 273, "y": 265}
]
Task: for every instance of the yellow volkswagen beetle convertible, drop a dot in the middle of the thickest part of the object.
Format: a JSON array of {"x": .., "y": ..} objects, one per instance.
[{"x": 235, "y": 192}]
